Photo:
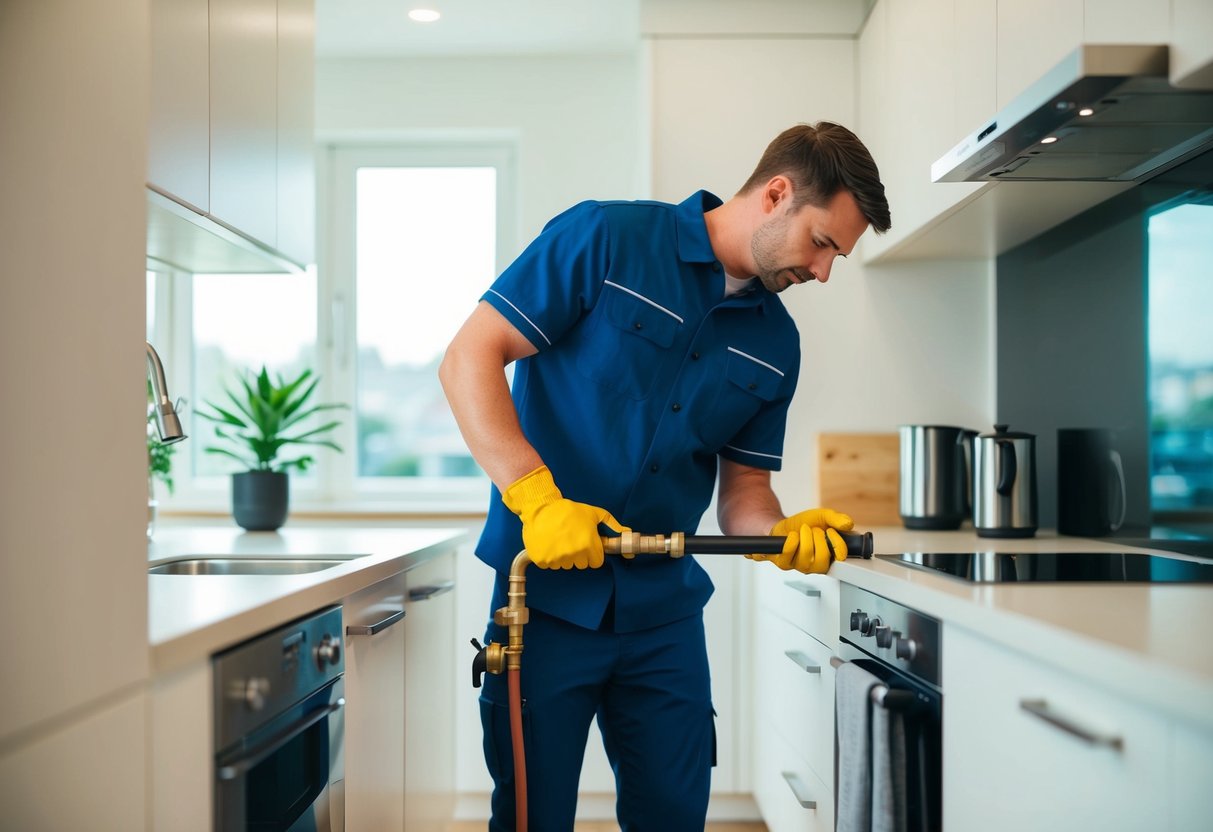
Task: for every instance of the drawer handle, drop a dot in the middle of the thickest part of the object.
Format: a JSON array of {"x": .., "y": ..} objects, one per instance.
[
  {"x": 425, "y": 593},
  {"x": 377, "y": 627},
  {"x": 798, "y": 790},
  {"x": 807, "y": 590},
  {"x": 802, "y": 661},
  {"x": 1040, "y": 708}
]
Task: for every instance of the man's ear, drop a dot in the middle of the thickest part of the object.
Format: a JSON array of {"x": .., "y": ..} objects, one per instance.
[{"x": 777, "y": 191}]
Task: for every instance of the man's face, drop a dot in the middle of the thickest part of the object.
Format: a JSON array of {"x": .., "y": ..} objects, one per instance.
[{"x": 797, "y": 247}]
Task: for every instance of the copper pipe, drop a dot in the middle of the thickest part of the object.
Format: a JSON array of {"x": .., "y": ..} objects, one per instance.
[{"x": 519, "y": 749}]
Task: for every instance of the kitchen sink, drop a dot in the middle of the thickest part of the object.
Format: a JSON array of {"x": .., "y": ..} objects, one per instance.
[{"x": 244, "y": 566}]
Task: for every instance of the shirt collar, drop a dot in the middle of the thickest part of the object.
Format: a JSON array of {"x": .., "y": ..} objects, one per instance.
[{"x": 693, "y": 243}]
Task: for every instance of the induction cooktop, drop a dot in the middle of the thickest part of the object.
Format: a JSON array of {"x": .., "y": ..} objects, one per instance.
[{"x": 1053, "y": 567}]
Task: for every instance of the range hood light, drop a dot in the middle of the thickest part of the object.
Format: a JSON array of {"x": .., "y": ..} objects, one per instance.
[
  {"x": 1086, "y": 111},
  {"x": 1048, "y": 140}
]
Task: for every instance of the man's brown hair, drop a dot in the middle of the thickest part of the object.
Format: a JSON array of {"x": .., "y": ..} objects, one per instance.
[{"x": 821, "y": 160}]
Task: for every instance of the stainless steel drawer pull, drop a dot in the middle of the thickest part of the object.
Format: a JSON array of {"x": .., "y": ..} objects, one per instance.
[
  {"x": 1040, "y": 708},
  {"x": 425, "y": 593},
  {"x": 807, "y": 590},
  {"x": 798, "y": 790},
  {"x": 377, "y": 627},
  {"x": 802, "y": 661}
]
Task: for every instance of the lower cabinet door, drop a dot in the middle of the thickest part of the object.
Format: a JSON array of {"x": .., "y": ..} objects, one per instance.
[
  {"x": 790, "y": 795},
  {"x": 1028, "y": 746},
  {"x": 374, "y": 713}
]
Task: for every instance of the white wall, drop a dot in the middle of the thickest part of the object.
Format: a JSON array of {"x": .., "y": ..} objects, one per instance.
[{"x": 575, "y": 119}]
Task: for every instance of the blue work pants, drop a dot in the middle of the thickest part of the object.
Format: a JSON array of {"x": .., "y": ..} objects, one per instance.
[{"x": 651, "y": 693}]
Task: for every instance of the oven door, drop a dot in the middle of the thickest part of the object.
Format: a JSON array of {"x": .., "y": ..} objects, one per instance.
[
  {"x": 924, "y": 735},
  {"x": 287, "y": 776}
]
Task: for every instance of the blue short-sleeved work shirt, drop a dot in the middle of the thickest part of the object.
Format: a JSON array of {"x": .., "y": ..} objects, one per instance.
[{"x": 645, "y": 372}]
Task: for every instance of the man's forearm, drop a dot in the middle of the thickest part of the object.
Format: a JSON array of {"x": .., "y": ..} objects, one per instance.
[{"x": 745, "y": 504}]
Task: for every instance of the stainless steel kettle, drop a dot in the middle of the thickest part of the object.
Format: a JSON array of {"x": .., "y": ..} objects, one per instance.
[
  {"x": 936, "y": 484},
  {"x": 1004, "y": 484}
]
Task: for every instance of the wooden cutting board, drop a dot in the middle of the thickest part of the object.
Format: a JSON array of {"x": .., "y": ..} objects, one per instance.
[{"x": 858, "y": 474}]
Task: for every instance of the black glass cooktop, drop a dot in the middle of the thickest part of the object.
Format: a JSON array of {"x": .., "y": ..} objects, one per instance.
[{"x": 1042, "y": 567}]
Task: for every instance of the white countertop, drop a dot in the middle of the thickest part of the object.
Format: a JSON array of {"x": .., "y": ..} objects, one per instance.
[
  {"x": 1147, "y": 642},
  {"x": 191, "y": 617}
]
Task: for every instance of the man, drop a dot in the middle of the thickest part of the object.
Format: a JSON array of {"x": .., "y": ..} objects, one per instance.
[{"x": 650, "y": 342}]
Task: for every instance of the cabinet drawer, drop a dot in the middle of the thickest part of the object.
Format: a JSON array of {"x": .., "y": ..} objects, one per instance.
[
  {"x": 810, "y": 602},
  {"x": 799, "y": 685},
  {"x": 790, "y": 796},
  {"x": 1048, "y": 740}
]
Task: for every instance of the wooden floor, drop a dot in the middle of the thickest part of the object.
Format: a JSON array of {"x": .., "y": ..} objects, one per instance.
[{"x": 603, "y": 826}]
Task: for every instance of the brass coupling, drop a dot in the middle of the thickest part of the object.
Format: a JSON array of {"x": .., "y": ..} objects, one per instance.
[{"x": 630, "y": 544}]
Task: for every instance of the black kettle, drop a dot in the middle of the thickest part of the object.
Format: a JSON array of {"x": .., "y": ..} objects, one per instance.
[{"x": 1004, "y": 480}]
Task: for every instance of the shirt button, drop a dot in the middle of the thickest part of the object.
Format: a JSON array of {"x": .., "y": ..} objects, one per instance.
[
  {"x": 694, "y": 356},
  {"x": 638, "y": 325},
  {"x": 753, "y": 386},
  {"x": 676, "y": 408},
  {"x": 654, "y": 467},
  {"x": 716, "y": 267}
]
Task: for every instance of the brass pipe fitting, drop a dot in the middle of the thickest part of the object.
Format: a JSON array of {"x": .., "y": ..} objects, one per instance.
[
  {"x": 515, "y": 614},
  {"x": 630, "y": 544}
]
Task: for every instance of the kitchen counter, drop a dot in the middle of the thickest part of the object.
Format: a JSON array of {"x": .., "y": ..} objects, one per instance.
[
  {"x": 1146, "y": 642},
  {"x": 191, "y": 617}
]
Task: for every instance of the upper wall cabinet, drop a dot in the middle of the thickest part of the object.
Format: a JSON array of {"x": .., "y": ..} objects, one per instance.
[
  {"x": 231, "y": 174},
  {"x": 930, "y": 71}
]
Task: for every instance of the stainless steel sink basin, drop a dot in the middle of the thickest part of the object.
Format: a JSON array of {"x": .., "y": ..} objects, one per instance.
[{"x": 244, "y": 566}]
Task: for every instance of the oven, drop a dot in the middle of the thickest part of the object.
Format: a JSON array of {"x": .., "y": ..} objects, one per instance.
[
  {"x": 901, "y": 647},
  {"x": 278, "y": 730}
]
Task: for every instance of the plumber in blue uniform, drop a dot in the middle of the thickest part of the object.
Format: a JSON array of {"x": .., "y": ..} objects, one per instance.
[{"x": 652, "y": 358}]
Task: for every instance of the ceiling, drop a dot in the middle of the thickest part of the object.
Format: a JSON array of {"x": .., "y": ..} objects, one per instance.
[{"x": 381, "y": 28}]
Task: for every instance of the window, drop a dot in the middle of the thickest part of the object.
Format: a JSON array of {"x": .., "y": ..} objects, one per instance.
[
  {"x": 1181, "y": 357},
  {"x": 409, "y": 237}
]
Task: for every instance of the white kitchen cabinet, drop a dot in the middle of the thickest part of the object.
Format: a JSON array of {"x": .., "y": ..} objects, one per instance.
[
  {"x": 231, "y": 163},
  {"x": 374, "y": 712},
  {"x": 244, "y": 122},
  {"x": 1027, "y": 746},
  {"x": 1033, "y": 36},
  {"x": 795, "y": 634},
  {"x": 429, "y": 695},
  {"x": 1190, "y": 800},
  {"x": 88, "y": 774},
  {"x": 181, "y": 744},
  {"x": 179, "y": 147},
  {"x": 1192, "y": 43}
]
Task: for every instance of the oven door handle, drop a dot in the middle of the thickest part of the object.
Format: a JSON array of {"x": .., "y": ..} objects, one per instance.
[{"x": 242, "y": 765}]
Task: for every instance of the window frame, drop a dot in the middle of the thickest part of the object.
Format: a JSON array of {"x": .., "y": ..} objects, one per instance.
[{"x": 334, "y": 486}]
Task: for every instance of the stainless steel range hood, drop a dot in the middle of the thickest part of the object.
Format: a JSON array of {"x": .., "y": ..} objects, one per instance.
[{"x": 1104, "y": 114}]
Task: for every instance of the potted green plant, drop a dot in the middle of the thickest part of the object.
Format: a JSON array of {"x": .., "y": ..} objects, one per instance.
[{"x": 265, "y": 419}]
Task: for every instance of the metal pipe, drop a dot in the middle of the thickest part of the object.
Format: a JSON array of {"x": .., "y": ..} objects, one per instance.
[{"x": 859, "y": 544}]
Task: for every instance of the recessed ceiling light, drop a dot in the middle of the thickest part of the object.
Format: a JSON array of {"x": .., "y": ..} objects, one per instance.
[
  {"x": 424, "y": 15},
  {"x": 1048, "y": 140}
]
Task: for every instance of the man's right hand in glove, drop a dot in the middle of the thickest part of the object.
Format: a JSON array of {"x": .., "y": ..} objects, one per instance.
[{"x": 557, "y": 533}]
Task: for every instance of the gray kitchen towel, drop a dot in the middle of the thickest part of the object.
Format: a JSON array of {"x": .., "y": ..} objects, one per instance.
[
  {"x": 853, "y": 748},
  {"x": 888, "y": 770}
]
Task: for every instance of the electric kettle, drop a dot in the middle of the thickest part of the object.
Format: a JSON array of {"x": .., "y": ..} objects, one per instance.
[
  {"x": 1004, "y": 484},
  {"x": 936, "y": 489}
]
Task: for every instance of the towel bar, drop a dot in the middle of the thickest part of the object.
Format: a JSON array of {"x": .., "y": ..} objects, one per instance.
[{"x": 894, "y": 700}]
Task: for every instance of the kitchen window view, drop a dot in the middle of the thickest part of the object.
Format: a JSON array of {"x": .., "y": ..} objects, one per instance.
[
  {"x": 1181, "y": 357},
  {"x": 411, "y": 238}
]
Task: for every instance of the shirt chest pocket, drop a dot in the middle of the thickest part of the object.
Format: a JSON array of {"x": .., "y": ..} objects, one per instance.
[
  {"x": 628, "y": 343},
  {"x": 748, "y": 384}
]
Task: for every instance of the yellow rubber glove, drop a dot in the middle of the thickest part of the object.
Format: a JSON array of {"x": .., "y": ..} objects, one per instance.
[
  {"x": 557, "y": 533},
  {"x": 806, "y": 549}
]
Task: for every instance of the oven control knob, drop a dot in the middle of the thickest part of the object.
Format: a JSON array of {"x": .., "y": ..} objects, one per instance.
[
  {"x": 884, "y": 636},
  {"x": 859, "y": 620},
  {"x": 252, "y": 692},
  {"x": 870, "y": 626},
  {"x": 329, "y": 652},
  {"x": 907, "y": 648}
]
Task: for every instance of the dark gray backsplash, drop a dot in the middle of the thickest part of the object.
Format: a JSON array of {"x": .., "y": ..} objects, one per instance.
[{"x": 1071, "y": 340}]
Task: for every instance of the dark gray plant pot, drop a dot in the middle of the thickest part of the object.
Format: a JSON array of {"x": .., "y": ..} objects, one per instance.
[{"x": 260, "y": 500}]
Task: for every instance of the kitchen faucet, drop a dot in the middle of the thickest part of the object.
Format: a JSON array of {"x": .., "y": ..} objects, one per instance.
[{"x": 167, "y": 423}]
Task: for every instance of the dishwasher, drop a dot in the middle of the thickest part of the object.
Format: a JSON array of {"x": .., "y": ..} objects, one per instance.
[{"x": 279, "y": 729}]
